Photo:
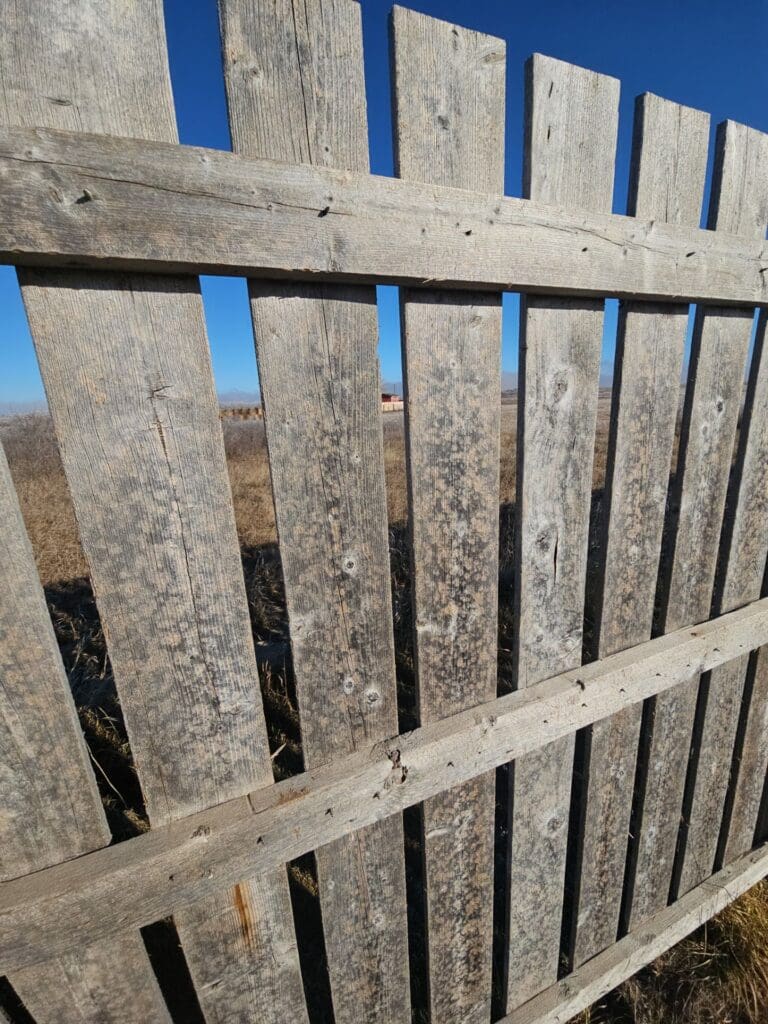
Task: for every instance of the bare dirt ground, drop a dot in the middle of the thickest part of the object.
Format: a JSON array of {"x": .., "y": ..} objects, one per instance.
[{"x": 719, "y": 976}]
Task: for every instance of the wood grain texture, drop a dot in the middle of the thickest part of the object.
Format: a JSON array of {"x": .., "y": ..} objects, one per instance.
[
  {"x": 319, "y": 374},
  {"x": 449, "y": 129},
  {"x": 667, "y": 182},
  {"x": 571, "y": 125},
  {"x": 176, "y": 865},
  {"x": 752, "y": 767},
  {"x": 710, "y": 417},
  {"x": 137, "y": 419},
  {"x": 95, "y": 985},
  {"x": 746, "y": 545},
  {"x": 641, "y": 946},
  {"x": 127, "y": 373},
  {"x": 51, "y": 809},
  {"x": 112, "y": 203}
]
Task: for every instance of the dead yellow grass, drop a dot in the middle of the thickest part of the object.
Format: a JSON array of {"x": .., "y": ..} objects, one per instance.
[
  {"x": 47, "y": 508},
  {"x": 718, "y": 975}
]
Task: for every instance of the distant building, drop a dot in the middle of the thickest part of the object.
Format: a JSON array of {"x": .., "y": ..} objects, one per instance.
[
  {"x": 240, "y": 412},
  {"x": 391, "y": 402}
]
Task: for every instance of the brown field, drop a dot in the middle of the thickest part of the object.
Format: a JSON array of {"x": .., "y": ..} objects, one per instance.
[{"x": 718, "y": 976}]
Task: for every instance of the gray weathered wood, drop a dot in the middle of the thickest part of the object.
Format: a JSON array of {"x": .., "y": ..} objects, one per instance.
[
  {"x": 601, "y": 975},
  {"x": 319, "y": 375},
  {"x": 752, "y": 767},
  {"x": 713, "y": 400},
  {"x": 127, "y": 373},
  {"x": 51, "y": 810},
  {"x": 94, "y": 984},
  {"x": 97, "y": 984},
  {"x": 669, "y": 164},
  {"x": 78, "y": 200},
  {"x": 176, "y": 865},
  {"x": 571, "y": 125},
  {"x": 746, "y": 540},
  {"x": 449, "y": 129}
]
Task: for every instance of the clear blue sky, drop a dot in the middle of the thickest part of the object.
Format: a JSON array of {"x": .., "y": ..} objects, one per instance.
[{"x": 709, "y": 54}]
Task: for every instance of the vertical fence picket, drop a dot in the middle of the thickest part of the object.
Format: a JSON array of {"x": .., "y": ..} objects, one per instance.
[
  {"x": 747, "y": 541},
  {"x": 319, "y": 375},
  {"x": 571, "y": 127},
  {"x": 51, "y": 806},
  {"x": 752, "y": 767},
  {"x": 713, "y": 400},
  {"x": 745, "y": 538},
  {"x": 669, "y": 164},
  {"x": 449, "y": 129},
  {"x": 127, "y": 372}
]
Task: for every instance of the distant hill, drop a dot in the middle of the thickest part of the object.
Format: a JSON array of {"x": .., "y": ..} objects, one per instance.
[
  {"x": 22, "y": 408},
  {"x": 509, "y": 379},
  {"x": 239, "y": 397}
]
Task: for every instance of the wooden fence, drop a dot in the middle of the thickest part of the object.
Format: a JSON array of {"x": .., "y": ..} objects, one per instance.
[{"x": 108, "y": 220}]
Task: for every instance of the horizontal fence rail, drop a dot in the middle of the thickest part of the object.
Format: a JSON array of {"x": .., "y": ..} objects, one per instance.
[
  {"x": 625, "y": 808},
  {"x": 175, "y": 865},
  {"x": 639, "y": 947},
  {"x": 70, "y": 199}
]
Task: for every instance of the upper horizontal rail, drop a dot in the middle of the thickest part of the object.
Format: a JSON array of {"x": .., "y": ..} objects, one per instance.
[
  {"x": 50, "y": 912},
  {"x": 70, "y": 199}
]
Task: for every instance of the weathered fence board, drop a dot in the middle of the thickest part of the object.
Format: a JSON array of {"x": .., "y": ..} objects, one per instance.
[
  {"x": 713, "y": 401},
  {"x": 319, "y": 376},
  {"x": 751, "y": 768},
  {"x": 51, "y": 806},
  {"x": 449, "y": 129},
  {"x": 127, "y": 373},
  {"x": 94, "y": 201},
  {"x": 669, "y": 163},
  {"x": 640, "y": 947},
  {"x": 51, "y": 809},
  {"x": 125, "y": 361},
  {"x": 100, "y": 894},
  {"x": 745, "y": 544},
  {"x": 571, "y": 125},
  {"x": 46, "y": 78}
]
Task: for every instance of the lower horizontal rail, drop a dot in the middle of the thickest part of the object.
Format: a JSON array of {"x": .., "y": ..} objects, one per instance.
[
  {"x": 603, "y": 973},
  {"x": 134, "y": 883}
]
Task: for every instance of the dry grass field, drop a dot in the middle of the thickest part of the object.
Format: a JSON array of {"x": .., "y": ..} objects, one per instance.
[{"x": 718, "y": 976}]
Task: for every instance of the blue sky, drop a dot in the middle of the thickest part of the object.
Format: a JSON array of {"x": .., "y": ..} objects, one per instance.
[{"x": 709, "y": 54}]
